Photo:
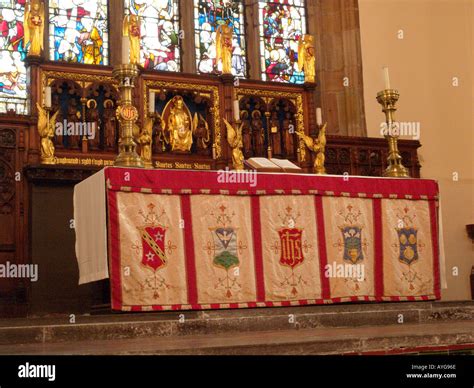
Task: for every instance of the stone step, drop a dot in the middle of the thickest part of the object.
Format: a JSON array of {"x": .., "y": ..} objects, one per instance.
[
  {"x": 393, "y": 339},
  {"x": 168, "y": 324}
]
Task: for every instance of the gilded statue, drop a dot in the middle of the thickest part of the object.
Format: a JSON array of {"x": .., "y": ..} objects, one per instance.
[
  {"x": 306, "y": 57},
  {"x": 234, "y": 138},
  {"x": 131, "y": 28},
  {"x": 34, "y": 26},
  {"x": 224, "y": 47},
  {"x": 319, "y": 147},
  {"x": 46, "y": 126},
  {"x": 180, "y": 125},
  {"x": 145, "y": 140}
]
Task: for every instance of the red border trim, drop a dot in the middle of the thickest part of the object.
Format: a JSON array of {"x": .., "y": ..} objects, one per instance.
[
  {"x": 434, "y": 240},
  {"x": 114, "y": 251},
  {"x": 323, "y": 256},
  {"x": 378, "y": 247},
  {"x": 283, "y": 303},
  {"x": 171, "y": 182},
  {"x": 257, "y": 248},
  {"x": 190, "y": 260}
]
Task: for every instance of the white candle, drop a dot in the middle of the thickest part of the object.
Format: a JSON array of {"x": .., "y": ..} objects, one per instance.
[
  {"x": 47, "y": 97},
  {"x": 236, "y": 110},
  {"x": 386, "y": 77},
  {"x": 319, "y": 116},
  {"x": 151, "y": 102},
  {"x": 125, "y": 50}
]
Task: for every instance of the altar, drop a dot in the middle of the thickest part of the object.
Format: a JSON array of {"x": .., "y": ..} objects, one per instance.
[{"x": 177, "y": 240}]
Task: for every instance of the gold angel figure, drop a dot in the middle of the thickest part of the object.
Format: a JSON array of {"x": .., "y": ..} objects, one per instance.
[
  {"x": 46, "y": 127},
  {"x": 306, "y": 57},
  {"x": 234, "y": 138},
  {"x": 132, "y": 29},
  {"x": 34, "y": 26},
  {"x": 224, "y": 47},
  {"x": 319, "y": 147},
  {"x": 145, "y": 140}
]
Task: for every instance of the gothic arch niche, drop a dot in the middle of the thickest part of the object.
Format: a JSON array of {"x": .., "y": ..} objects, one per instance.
[
  {"x": 283, "y": 128},
  {"x": 102, "y": 124},
  {"x": 254, "y": 126},
  {"x": 66, "y": 97},
  {"x": 200, "y": 108}
]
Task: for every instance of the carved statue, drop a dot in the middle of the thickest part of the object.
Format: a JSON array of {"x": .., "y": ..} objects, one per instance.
[
  {"x": 34, "y": 26},
  {"x": 275, "y": 133},
  {"x": 224, "y": 47},
  {"x": 180, "y": 126},
  {"x": 289, "y": 138},
  {"x": 159, "y": 135},
  {"x": 46, "y": 126},
  {"x": 319, "y": 146},
  {"x": 202, "y": 133},
  {"x": 246, "y": 133},
  {"x": 258, "y": 134},
  {"x": 132, "y": 29},
  {"x": 306, "y": 57},
  {"x": 234, "y": 138},
  {"x": 145, "y": 140}
]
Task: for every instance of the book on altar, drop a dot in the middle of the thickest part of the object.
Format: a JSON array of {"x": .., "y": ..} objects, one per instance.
[{"x": 271, "y": 165}]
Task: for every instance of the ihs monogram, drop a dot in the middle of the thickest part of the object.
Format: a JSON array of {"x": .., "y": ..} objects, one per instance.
[{"x": 291, "y": 247}]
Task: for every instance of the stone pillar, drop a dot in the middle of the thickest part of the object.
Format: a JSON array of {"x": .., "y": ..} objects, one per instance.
[
  {"x": 252, "y": 39},
  {"x": 188, "y": 48},
  {"x": 116, "y": 13},
  {"x": 335, "y": 24}
]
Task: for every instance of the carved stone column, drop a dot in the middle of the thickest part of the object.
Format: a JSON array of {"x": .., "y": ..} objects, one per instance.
[
  {"x": 188, "y": 48},
  {"x": 335, "y": 25}
]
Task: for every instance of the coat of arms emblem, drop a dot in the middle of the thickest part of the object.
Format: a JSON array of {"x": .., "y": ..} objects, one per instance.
[
  {"x": 407, "y": 238},
  {"x": 409, "y": 245},
  {"x": 153, "y": 248},
  {"x": 225, "y": 249}
]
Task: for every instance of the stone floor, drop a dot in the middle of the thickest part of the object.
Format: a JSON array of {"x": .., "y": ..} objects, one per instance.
[
  {"x": 390, "y": 339},
  {"x": 332, "y": 329}
]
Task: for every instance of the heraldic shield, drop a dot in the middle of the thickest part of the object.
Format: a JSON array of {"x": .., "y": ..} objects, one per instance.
[
  {"x": 291, "y": 252},
  {"x": 352, "y": 237},
  {"x": 408, "y": 240},
  {"x": 153, "y": 243},
  {"x": 225, "y": 242}
]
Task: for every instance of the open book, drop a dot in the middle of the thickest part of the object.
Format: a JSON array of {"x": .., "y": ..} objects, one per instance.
[{"x": 271, "y": 165}]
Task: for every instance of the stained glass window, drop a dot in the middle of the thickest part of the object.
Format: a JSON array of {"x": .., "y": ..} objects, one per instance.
[
  {"x": 208, "y": 15},
  {"x": 13, "y": 94},
  {"x": 78, "y": 31},
  {"x": 282, "y": 23},
  {"x": 159, "y": 32}
]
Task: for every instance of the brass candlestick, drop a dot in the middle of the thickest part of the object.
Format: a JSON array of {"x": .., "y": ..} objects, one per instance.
[
  {"x": 127, "y": 116},
  {"x": 388, "y": 99}
]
